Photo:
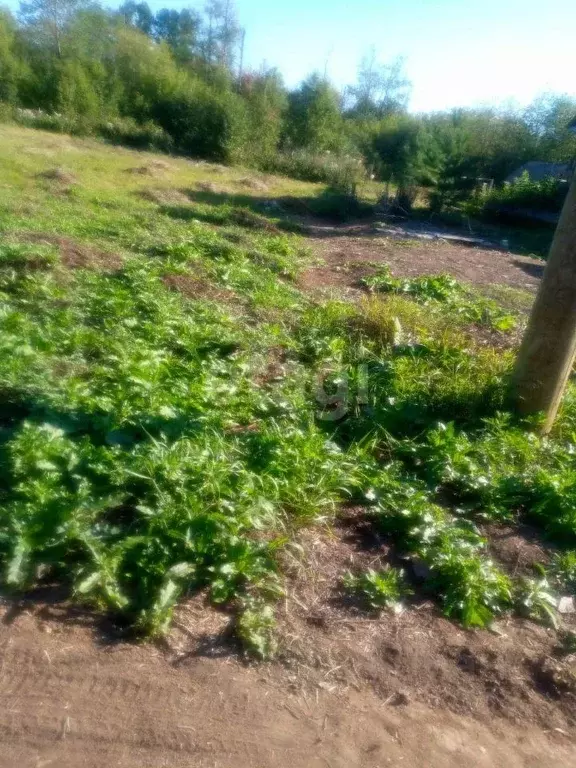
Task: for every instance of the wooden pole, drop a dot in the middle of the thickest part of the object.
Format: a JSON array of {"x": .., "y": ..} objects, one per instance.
[{"x": 547, "y": 352}]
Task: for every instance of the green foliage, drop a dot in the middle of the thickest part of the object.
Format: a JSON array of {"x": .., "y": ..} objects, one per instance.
[
  {"x": 338, "y": 171},
  {"x": 203, "y": 123},
  {"x": 314, "y": 118},
  {"x": 405, "y": 151},
  {"x": 546, "y": 195},
  {"x": 382, "y": 89},
  {"x": 76, "y": 92},
  {"x": 129, "y": 132},
  {"x": 339, "y": 205},
  {"x": 563, "y": 570},
  {"x": 154, "y": 443},
  {"x": 266, "y": 104},
  {"x": 444, "y": 291},
  {"x": 12, "y": 67},
  {"x": 469, "y": 586},
  {"x": 255, "y": 630},
  {"x": 535, "y": 599},
  {"x": 155, "y": 473},
  {"x": 378, "y": 589},
  {"x": 81, "y": 68}
]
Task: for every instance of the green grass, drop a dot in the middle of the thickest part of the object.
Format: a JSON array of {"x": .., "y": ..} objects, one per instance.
[
  {"x": 444, "y": 293},
  {"x": 155, "y": 442}
]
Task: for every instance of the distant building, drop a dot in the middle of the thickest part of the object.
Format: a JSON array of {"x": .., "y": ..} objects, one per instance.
[{"x": 538, "y": 171}]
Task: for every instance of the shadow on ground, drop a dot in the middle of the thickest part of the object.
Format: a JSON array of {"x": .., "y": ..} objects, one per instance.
[
  {"x": 534, "y": 270},
  {"x": 332, "y": 214}
]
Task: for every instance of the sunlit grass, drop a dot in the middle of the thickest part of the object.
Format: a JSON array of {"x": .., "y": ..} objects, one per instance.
[{"x": 160, "y": 426}]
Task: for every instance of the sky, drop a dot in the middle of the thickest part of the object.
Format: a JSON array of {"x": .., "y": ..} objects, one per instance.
[{"x": 458, "y": 52}]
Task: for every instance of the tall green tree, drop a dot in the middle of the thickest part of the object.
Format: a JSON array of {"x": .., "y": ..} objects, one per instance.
[
  {"x": 47, "y": 20},
  {"x": 13, "y": 68},
  {"x": 266, "y": 102},
  {"x": 315, "y": 116},
  {"x": 138, "y": 15},
  {"x": 180, "y": 30},
  {"x": 381, "y": 89},
  {"x": 548, "y": 118}
]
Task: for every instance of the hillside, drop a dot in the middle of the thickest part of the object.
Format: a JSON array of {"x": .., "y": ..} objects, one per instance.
[{"x": 278, "y": 450}]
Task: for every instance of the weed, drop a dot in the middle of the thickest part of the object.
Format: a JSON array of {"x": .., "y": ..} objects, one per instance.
[
  {"x": 567, "y": 642},
  {"x": 152, "y": 443},
  {"x": 535, "y": 599},
  {"x": 563, "y": 570},
  {"x": 468, "y": 585},
  {"x": 255, "y": 630},
  {"x": 378, "y": 589},
  {"x": 443, "y": 290}
]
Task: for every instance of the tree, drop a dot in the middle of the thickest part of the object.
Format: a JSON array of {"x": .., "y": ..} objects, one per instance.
[
  {"x": 147, "y": 72},
  {"x": 381, "y": 90},
  {"x": 314, "y": 116},
  {"x": 12, "y": 66},
  {"x": 48, "y": 19},
  {"x": 408, "y": 152},
  {"x": 138, "y": 15},
  {"x": 266, "y": 101},
  {"x": 548, "y": 119},
  {"x": 222, "y": 33},
  {"x": 180, "y": 30},
  {"x": 76, "y": 92}
]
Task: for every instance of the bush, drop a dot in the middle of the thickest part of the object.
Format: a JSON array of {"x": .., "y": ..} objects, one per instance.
[
  {"x": 340, "y": 171},
  {"x": 140, "y": 136},
  {"x": 338, "y": 206},
  {"x": 55, "y": 122},
  {"x": 203, "y": 123},
  {"x": 522, "y": 193}
]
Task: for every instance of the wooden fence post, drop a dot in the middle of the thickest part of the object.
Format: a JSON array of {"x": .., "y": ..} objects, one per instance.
[{"x": 547, "y": 352}]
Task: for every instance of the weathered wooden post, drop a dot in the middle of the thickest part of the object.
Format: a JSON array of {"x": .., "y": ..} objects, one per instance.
[{"x": 548, "y": 348}]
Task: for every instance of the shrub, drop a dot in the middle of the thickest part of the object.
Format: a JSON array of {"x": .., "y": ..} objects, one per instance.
[
  {"x": 127, "y": 131},
  {"x": 546, "y": 196},
  {"x": 54, "y": 121},
  {"x": 338, "y": 205},
  {"x": 339, "y": 171},
  {"x": 203, "y": 123}
]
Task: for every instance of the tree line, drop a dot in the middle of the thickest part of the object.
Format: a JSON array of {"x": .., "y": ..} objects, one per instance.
[{"x": 176, "y": 81}]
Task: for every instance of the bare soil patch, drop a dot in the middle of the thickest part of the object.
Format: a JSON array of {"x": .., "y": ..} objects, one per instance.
[
  {"x": 198, "y": 288},
  {"x": 350, "y": 253},
  {"x": 59, "y": 175},
  {"x": 165, "y": 196},
  {"x": 250, "y": 182},
  {"x": 76, "y": 255},
  {"x": 417, "y": 655},
  {"x": 351, "y": 690},
  {"x": 518, "y": 549},
  {"x": 154, "y": 168}
]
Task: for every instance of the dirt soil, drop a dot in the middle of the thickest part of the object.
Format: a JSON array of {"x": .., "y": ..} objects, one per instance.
[
  {"x": 349, "y": 253},
  {"x": 349, "y": 689},
  {"x": 75, "y": 255}
]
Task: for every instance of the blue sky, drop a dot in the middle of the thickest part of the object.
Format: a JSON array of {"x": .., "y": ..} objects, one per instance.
[{"x": 458, "y": 52}]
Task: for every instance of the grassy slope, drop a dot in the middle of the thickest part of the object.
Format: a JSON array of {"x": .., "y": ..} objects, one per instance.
[{"x": 156, "y": 441}]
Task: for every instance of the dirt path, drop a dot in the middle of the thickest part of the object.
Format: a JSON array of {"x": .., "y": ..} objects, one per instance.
[{"x": 67, "y": 702}]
